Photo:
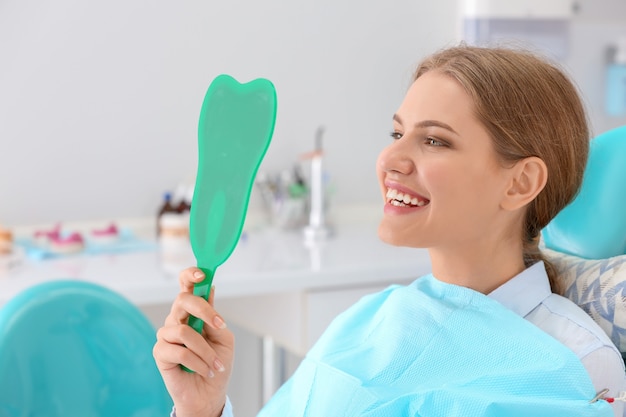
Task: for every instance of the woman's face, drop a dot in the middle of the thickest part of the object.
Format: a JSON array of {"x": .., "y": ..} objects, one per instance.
[{"x": 440, "y": 178}]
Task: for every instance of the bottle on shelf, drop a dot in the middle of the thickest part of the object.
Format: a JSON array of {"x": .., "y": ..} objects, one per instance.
[
  {"x": 182, "y": 207},
  {"x": 166, "y": 207},
  {"x": 179, "y": 200}
]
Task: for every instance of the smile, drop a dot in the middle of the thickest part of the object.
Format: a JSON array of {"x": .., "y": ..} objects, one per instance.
[{"x": 399, "y": 199}]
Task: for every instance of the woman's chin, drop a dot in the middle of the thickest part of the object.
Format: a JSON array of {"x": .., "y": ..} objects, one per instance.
[{"x": 392, "y": 237}]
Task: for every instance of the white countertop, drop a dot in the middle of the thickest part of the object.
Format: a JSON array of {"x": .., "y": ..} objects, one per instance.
[{"x": 265, "y": 261}]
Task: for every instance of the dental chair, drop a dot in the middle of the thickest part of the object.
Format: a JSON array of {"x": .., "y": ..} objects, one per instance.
[
  {"x": 587, "y": 241},
  {"x": 76, "y": 349}
]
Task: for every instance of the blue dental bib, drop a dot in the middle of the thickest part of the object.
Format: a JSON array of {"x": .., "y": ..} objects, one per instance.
[{"x": 433, "y": 349}]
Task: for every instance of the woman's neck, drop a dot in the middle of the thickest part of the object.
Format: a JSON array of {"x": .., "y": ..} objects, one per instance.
[{"x": 481, "y": 266}]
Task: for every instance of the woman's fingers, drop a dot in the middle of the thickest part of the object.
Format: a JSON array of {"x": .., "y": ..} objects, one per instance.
[
  {"x": 212, "y": 295},
  {"x": 182, "y": 345},
  {"x": 188, "y": 304},
  {"x": 170, "y": 356},
  {"x": 188, "y": 277}
]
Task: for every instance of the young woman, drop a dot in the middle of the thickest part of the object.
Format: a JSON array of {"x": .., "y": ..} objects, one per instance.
[{"x": 488, "y": 146}]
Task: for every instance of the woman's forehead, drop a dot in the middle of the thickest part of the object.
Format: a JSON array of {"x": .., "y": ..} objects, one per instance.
[{"x": 436, "y": 96}]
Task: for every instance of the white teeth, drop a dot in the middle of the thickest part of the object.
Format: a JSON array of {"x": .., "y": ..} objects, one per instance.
[{"x": 399, "y": 199}]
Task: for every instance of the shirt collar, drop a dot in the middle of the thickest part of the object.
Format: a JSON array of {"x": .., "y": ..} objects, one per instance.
[{"x": 525, "y": 291}]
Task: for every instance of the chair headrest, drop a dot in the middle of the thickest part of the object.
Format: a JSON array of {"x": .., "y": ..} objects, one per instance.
[
  {"x": 593, "y": 226},
  {"x": 598, "y": 287}
]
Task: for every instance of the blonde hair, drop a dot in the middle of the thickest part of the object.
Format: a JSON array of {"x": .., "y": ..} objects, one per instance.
[{"x": 530, "y": 108}]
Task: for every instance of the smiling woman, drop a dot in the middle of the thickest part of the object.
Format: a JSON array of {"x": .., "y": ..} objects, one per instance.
[
  {"x": 535, "y": 113},
  {"x": 529, "y": 108},
  {"x": 488, "y": 145}
]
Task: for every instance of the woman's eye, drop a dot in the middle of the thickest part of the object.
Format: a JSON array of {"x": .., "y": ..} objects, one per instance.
[
  {"x": 395, "y": 135},
  {"x": 434, "y": 142}
]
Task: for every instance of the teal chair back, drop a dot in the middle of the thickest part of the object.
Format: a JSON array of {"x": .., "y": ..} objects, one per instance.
[
  {"x": 76, "y": 349},
  {"x": 593, "y": 226}
]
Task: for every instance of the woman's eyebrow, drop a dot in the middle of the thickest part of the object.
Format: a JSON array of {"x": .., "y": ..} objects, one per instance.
[{"x": 428, "y": 123}]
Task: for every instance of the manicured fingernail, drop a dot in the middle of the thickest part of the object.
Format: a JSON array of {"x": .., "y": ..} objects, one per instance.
[
  {"x": 219, "y": 323},
  {"x": 211, "y": 374},
  {"x": 198, "y": 274},
  {"x": 219, "y": 366}
]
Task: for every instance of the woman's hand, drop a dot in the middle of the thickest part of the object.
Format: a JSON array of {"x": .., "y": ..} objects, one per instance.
[{"x": 209, "y": 355}]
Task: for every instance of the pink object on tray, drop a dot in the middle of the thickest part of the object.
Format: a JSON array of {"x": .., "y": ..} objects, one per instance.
[
  {"x": 105, "y": 236},
  {"x": 45, "y": 236},
  {"x": 109, "y": 231},
  {"x": 67, "y": 244}
]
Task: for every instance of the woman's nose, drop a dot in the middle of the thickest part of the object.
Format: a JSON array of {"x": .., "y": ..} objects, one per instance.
[{"x": 396, "y": 158}]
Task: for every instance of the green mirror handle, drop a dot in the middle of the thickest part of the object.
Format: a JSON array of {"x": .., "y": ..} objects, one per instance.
[{"x": 201, "y": 289}]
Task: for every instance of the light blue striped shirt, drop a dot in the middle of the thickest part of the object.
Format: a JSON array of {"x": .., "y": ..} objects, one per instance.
[{"x": 528, "y": 295}]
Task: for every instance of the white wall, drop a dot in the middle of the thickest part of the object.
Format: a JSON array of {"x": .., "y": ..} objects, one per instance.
[{"x": 99, "y": 100}]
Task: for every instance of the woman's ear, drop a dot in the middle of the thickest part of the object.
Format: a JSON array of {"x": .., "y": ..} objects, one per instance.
[{"x": 528, "y": 177}]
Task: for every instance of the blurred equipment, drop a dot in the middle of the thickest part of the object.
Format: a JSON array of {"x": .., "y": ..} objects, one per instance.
[
  {"x": 317, "y": 227},
  {"x": 616, "y": 79},
  {"x": 533, "y": 23},
  {"x": 71, "y": 348},
  {"x": 6, "y": 241},
  {"x": 285, "y": 198}
]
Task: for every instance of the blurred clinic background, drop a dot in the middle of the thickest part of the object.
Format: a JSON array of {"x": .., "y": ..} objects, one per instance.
[{"x": 99, "y": 108}]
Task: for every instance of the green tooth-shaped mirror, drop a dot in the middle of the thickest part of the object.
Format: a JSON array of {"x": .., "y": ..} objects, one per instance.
[{"x": 235, "y": 129}]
